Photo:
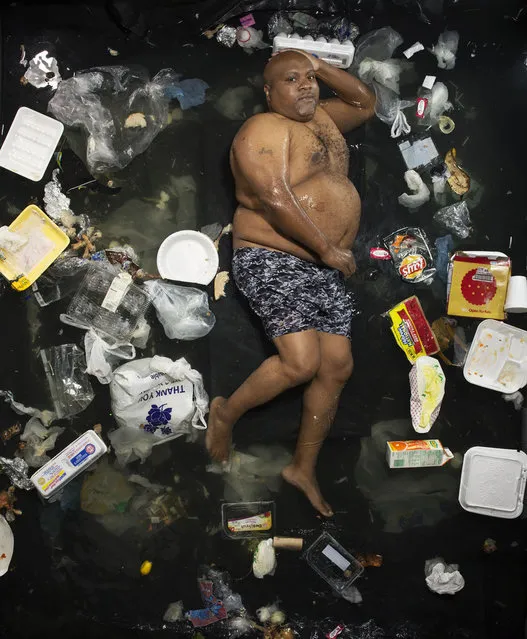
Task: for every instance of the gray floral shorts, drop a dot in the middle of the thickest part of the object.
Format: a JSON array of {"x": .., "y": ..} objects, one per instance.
[{"x": 291, "y": 295}]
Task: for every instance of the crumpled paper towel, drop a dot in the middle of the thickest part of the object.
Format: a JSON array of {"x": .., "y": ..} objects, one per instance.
[
  {"x": 443, "y": 578},
  {"x": 264, "y": 562}
]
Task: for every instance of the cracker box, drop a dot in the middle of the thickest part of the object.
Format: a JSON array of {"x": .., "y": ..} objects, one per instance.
[
  {"x": 417, "y": 453},
  {"x": 477, "y": 284}
]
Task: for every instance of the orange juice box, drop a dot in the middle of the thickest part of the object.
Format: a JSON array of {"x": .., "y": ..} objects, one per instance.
[
  {"x": 477, "y": 284},
  {"x": 417, "y": 453}
]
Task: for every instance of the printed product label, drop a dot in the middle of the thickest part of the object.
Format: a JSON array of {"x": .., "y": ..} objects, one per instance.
[
  {"x": 422, "y": 103},
  {"x": 256, "y": 523},
  {"x": 334, "y": 556},
  {"x": 412, "y": 266}
]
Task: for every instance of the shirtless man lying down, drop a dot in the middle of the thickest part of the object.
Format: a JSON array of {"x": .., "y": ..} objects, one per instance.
[{"x": 296, "y": 222}]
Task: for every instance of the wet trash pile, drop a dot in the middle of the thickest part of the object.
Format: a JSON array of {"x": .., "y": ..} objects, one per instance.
[{"x": 53, "y": 254}]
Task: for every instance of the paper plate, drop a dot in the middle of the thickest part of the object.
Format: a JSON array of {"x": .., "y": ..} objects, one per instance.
[
  {"x": 188, "y": 256},
  {"x": 7, "y": 544},
  {"x": 493, "y": 481}
]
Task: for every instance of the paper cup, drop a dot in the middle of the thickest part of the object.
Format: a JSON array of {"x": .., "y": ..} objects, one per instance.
[{"x": 516, "y": 301}]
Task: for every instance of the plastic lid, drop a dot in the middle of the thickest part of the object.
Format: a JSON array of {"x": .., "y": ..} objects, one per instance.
[{"x": 493, "y": 481}]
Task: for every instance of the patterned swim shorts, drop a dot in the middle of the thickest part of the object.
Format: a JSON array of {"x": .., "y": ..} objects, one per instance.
[{"x": 292, "y": 295}]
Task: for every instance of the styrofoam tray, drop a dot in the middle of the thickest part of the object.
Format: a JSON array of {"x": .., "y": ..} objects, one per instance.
[
  {"x": 7, "y": 545},
  {"x": 188, "y": 256},
  {"x": 30, "y": 143},
  {"x": 497, "y": 358},
  {"x": 493, "y": 481}
]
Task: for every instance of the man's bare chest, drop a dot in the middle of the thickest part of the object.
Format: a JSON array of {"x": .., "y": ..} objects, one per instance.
[{"x": 318, "y": 146}]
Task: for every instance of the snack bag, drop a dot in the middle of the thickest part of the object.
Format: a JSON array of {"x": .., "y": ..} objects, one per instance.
[
  {"x": 427, "y": 384},
  {"x": 411, "y": 254},
  {"x": 411, "y": 329}
]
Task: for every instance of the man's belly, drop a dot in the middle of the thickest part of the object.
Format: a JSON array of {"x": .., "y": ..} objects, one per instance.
[{"x": 330, "y": 200}]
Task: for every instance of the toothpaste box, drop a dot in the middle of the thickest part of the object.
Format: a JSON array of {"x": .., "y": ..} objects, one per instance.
[
  {"x": 417, "y": 453},
  {"x": 74, "y": 459}
]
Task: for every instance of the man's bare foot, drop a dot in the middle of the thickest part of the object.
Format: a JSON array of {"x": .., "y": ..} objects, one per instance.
[
  {"x": 309, "y": 486},
  {"x": 219, "y": 432}
]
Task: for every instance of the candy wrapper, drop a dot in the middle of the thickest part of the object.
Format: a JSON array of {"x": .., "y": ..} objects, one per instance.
[
  {"x": 411, "y": 254},
  {"x": 411, "y": 329},
  {"x": 427, "y": 384}
]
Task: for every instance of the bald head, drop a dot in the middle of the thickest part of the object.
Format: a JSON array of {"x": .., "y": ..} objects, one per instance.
[
  {"x": 291, "y": 86},
  {"x": 284, "y": 62}
]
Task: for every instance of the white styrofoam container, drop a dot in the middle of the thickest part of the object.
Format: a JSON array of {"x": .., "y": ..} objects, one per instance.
[
  {"x": 493, "y": 481},
  {"x": 71, "y": 461},
  {"x": 339, "y": 54},
  {"x": 497, "y": 358},
  {"x": 188, "y": 256},
  {"x": 30, "y": 143}
]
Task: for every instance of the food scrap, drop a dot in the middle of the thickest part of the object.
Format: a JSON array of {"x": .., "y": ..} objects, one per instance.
[
  {"x": 369, "y": 560},
  {"x": 7, "y": 502},
  {"x": 427, "y": 383},
  {"x": 489, "y": 546},
  {"x": 146, "y": 567},
  {"x": 135, "y": 120},
  {"x": 220, "y": 282},
  {"x": 10, "y": 432},
  {"x": 459, "y": 181}
]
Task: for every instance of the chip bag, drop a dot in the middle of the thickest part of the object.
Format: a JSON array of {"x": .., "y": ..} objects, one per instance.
[
  {"x": 411, "y": 254},
  {"x": 411, "y": 329},
  {"x": 427, "y": 385}
]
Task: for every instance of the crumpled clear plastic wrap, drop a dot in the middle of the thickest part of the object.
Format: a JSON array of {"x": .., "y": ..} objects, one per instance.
[
  {"x": 378, "y": 44},
  {"x": 71, "y": 390},
  {"x": 99, "y": 101},
  {"x": 445, "y": 50},
  {"x": 183, "y": 311},
  {"x": 39, "y": 440},
  {"x": 456, "y": 218},
  {"x": 45, "y": 416},
  {"x": 279, "y": 23},
  {"x": 232, "y": 601},
  {"x": 389, "y": 109}
]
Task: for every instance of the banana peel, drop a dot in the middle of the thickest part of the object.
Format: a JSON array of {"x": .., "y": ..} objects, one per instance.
[{"x": 459, "y": 181}]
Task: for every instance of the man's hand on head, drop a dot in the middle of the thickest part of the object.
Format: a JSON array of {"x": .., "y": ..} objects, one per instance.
[{"x": 314, "y": 61}]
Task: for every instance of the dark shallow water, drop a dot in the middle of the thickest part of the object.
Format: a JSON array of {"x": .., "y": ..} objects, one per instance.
[{"x": 70, "y": 571}]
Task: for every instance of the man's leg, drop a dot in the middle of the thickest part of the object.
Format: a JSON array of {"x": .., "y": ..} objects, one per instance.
[
  {"x": 297, "y": 362},
  {"x": 320, "y": 405}
]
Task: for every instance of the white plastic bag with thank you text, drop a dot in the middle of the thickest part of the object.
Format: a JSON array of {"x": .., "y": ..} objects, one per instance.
[{"x": 155, "y": 400}]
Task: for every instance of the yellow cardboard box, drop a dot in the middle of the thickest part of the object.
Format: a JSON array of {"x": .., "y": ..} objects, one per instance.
[{"x": 477, "y": 284}]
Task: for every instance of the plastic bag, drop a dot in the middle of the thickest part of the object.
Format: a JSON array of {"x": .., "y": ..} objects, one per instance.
[
  {"x": 279, "y": 23},
  {"x": 389, "y": 109},
  {"x": 386, "y": 73},
  {"x": 101, "y": 357},
  {"x": 445, "y": 50},
  {"x": 420, "y": 192},
  {"x": 249, "y": 38},
  {"x": 39, "y": 440},
  {"x": 99, "y": 101},
  {"x": 155, "y": 400},
  {"x": 183, "y": 311},
  {"x": 379, "y": 44},
  {"x": 71, "y": 390},
  {"x": 438, "y": 103},
  {"x": 456, "y": 218}
]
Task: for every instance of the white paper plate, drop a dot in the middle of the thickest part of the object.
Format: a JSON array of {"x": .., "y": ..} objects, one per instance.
[
  {"x": 7, "y": 544},
  {"x": 30, "y": 143},
  {"x": 493, "y": 481},
  {"x": 497, "y": 358},
  {"x": 188, "y": 256}
]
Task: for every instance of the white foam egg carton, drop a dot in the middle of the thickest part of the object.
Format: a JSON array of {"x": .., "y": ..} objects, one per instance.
[
  {"x": 339, "y": 54},
  {"x": 30, "y": 143}
]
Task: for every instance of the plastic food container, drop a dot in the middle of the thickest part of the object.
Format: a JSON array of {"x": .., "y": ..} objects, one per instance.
[
  {"x": 333, "y": 563},
  {"x": 497, "y": 358},
  {"x": 109, "y": 302},
  {"x": 248, "y": 519},
  {"x": 45, "y": 242},
  {"x": 493, "y": 482},
  {"x": 30, "y": 143}
]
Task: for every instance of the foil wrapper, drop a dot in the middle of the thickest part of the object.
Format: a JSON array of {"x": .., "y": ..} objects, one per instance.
[
  {"x": 55, "y": 202},
  {"x": 17, "y": 471},
  {"x": 43, "y": 71},
  {"x": 226, "y": 36}
]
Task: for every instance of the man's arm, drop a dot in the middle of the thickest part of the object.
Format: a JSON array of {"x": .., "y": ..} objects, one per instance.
[
  {"x": 355, "y": 103},
  {"x": 261, "y": 152}
]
